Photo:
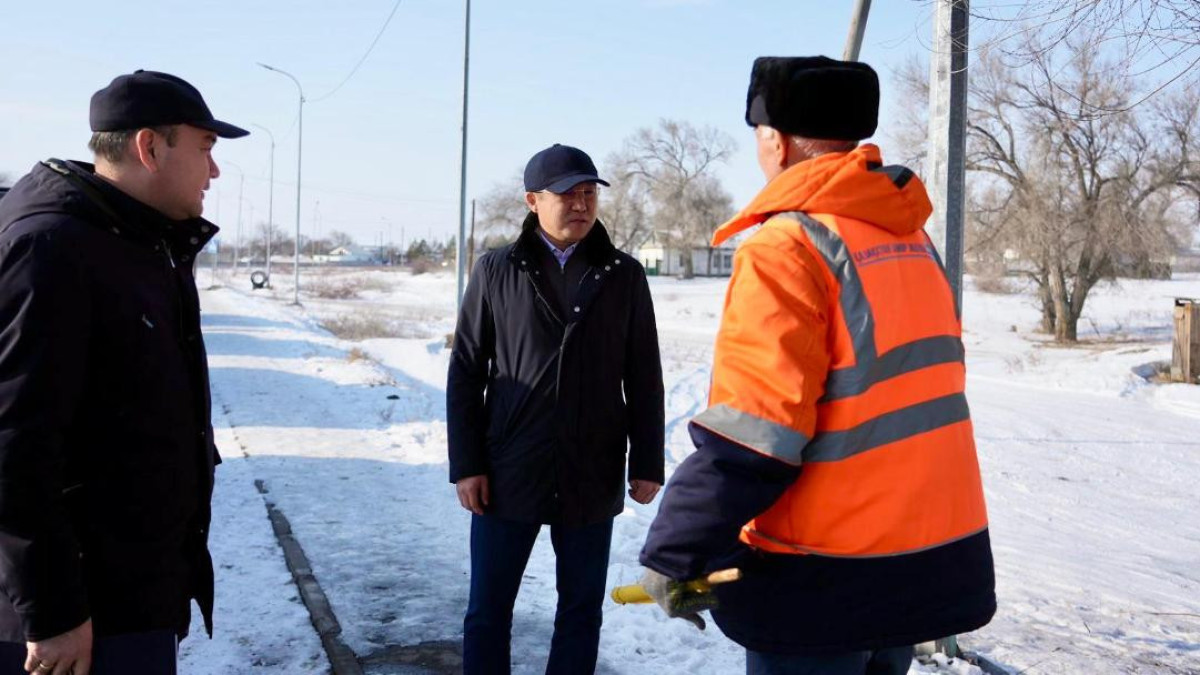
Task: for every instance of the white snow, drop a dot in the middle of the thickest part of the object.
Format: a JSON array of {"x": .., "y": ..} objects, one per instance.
[{"x": 1092, "y": 477}]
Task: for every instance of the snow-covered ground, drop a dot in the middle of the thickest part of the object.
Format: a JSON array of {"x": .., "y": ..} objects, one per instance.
[{"x": 1091, "y": 474}]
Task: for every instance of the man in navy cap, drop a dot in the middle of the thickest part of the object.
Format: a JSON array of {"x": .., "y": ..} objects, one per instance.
[
  {"x": 106, "y": 449},
  {"x": 554, "y": 374}
]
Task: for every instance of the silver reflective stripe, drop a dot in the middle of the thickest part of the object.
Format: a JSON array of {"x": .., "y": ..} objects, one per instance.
[
  {"x": 897, "y": 425},
  {"x": 769, "y": 438},
  {"x": 855, "y": 309},
  {"x": 942, "y": 266},
  {"x": 904, "y": 359},
  {"x": 871, "y": 367}
]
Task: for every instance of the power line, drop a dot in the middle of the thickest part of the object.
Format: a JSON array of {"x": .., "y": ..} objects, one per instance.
[{"x": 364, "y": 56}]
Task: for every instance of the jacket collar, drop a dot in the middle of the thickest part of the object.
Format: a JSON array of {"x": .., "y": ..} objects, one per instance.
[
  {"x": 596, "y": 247},
  {"x": 851, "y": 184}
]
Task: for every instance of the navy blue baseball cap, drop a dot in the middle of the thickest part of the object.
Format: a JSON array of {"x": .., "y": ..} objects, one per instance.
[
  {"x": 559, "y": 168},
  {"x": 146, "y": 98}
]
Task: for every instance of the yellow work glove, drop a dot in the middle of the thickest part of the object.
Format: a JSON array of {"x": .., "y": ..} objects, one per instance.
[{"x": 676, "y": 599}]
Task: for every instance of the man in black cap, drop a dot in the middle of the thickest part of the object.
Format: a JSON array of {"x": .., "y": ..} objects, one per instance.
[
  {"x": 555, "y": 371},
  {"x": 835, "y": 464},
  {"x": 106, "y": 449}
]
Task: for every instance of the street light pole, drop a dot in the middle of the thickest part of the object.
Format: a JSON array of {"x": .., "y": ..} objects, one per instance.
[
  {"x": 270, "y": 202},
  {"x": 299, "y": 158}
]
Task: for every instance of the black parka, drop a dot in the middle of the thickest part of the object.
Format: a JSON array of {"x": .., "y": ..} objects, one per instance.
[
  {"x": 106, "y": 451},
  {"x": 544, "y": 404}
]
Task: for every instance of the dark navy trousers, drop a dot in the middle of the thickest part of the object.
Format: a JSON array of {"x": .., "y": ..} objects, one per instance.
[{"x": 499, "y": 552}]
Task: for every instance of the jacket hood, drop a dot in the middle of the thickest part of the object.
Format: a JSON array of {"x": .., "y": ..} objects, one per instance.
[
  {"x": 44, "y": 191},
  {"x": 852, "y": 184},
  {"x": 47, "y": 190}
]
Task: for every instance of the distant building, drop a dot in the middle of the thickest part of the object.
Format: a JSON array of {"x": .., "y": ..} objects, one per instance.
[
  {"x": 661, "y": 258},
  {"x": 350, "y": 255}
]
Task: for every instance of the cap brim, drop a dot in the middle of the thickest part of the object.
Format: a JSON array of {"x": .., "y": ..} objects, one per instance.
[
  {"x": 222, "y": 129},
  {"x": 563, "y": 184}
]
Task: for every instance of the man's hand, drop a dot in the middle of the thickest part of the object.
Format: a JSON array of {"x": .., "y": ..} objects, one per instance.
[
  {"x": 643, "y": 491},
  {"x": 69, "y": 653},
  {"x": 675, "y": 599},
  {"x": 473, "y": 493}
]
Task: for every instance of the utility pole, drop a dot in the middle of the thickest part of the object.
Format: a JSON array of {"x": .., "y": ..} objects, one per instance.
[
  {"x": 947, "y": 157},
  {"x": 237, "y": 238},
  {"x": 270, "y": 203},
  {"x": 948, "y": 136},
  {"x": 471, "y": 243},
  {"x": 858, "y": 27},
  {"x": 216, "y": 242},
  {"x": 391, "y": 245},
  {"x": 460, "y": 262},
  {"x": 312, "y": 244}
]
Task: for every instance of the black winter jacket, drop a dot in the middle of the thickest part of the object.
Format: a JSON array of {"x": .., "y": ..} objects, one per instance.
[
  {"x": 106, "y": 452},
  {"x": 545, "y": 404}
]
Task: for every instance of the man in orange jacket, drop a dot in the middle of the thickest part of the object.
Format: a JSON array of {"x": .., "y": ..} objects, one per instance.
[{"x": 835, "y": 464}]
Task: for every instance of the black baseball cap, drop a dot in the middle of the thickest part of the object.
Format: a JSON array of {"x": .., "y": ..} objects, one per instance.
[
  {"x": 559, "y": 168},
  {"x": 147, "y": 98}
]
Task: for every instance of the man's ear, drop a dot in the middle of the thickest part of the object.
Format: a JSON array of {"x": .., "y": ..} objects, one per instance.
[
  {"x": 145, "y": 147},
  {"x": 781, "y": 148},
  {"x": 531, "y": 201}
]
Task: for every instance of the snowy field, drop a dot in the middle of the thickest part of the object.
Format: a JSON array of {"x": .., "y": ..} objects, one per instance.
[{"x": 1092, "y": 476}]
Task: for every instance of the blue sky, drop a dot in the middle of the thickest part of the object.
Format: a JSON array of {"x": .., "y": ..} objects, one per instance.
[{"x": 382, "y": 154}]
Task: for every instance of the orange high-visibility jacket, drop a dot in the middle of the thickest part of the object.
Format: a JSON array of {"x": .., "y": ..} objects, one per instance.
[{"x": 840, "y": 351}]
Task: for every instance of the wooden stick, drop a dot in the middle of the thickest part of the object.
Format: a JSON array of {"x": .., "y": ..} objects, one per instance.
[{"x": 635, "y": 594}]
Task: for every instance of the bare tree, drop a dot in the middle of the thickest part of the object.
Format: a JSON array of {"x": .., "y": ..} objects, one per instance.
[
  {"x": 1156, "y": 42},
  {"x": 908, "y": 124},
  {"x": 257, "y": 247},
  {"x": 1081, "y": 195},
  {"x": 677, "y": 163},
  {"x": 338, "y": 239},
  {"x": 502, "y": 209},
  {"x": 624, "y": 206}
]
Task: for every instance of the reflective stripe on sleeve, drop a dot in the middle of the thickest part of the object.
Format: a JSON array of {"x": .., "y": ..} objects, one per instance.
[{"x": 763, "y": 436}]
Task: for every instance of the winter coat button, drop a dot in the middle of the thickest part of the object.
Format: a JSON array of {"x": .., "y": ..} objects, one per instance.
[
  {"x": 608, "y": 268},
  {"x": 577, "y": 308},
  {"x": 205, "y": 229},
  {"x": 185, "y": 258},
  {"x": 194, "y": 240},
  {"x": 597, "y": 276}
]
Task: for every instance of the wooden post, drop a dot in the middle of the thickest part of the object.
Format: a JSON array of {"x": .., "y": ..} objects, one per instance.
[{"x": 1185, "y": 354}]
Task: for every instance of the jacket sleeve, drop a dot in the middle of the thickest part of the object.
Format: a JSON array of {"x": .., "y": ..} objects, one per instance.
[
  {"x": 470, "y": 360},
  {"x": 44, "y": 334},
  {"x": 717, "y": 489},
  {"x": 643, "y": 382},
  {"x": 769, "y": 370}
]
